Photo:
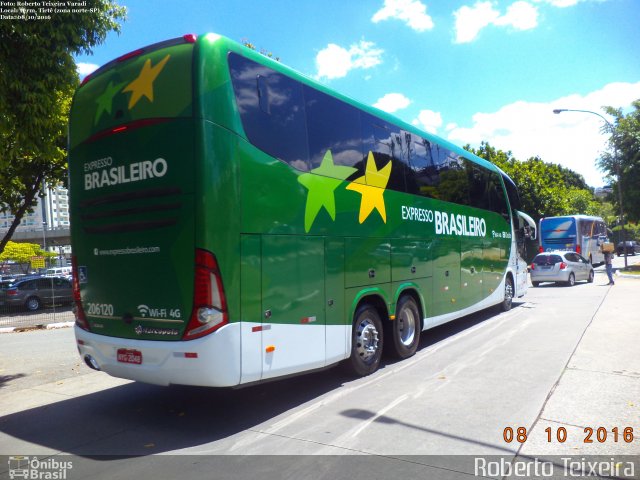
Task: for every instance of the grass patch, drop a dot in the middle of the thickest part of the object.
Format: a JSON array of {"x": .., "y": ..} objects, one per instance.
[{"x": 631, "y": 269}]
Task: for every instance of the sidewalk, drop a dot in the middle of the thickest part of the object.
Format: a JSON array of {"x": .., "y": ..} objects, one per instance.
[
  {"x": 600, "y": 386},
  {"x": 47, "y": 318}
]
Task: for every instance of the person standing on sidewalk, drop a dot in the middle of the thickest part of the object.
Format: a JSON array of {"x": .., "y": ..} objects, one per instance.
[{"x": 608, "y": 257}]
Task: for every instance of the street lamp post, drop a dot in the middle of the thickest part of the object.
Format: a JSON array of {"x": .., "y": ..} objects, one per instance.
[{"x": 616, "y": 163}]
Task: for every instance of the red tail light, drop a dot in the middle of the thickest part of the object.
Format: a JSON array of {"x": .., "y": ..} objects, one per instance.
[
  {"x": 533, "y": 266},
  {"x": 209, "y": 302},
  {"x": 13, "y": 291},
  {"x": 540, "y": 249},
  {"x": 563, "y": 265},
  {"x": 81, "y": 319},
  {"x": 579, "y": 249}
]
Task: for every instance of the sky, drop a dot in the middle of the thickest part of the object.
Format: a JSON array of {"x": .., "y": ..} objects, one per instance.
[{"x": 466, "y": 70}]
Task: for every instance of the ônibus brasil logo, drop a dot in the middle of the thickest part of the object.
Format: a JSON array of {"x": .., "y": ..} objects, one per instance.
[{"x": 35, "y": 469}]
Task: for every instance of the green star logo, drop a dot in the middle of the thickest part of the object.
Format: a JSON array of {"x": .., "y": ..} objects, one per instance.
[
  {"x": 321, "y": 182},
  {"x": 105, "y": 100}
]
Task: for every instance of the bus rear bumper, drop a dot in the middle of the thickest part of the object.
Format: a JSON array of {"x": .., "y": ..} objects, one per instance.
[{"x": 211, "y": 361}]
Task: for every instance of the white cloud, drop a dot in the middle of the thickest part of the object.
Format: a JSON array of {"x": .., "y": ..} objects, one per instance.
[
  {"x": 428, "y": 120},
  {"x": 560, "y": 3},
  {"x": 412, "y": 12},
  {"x": 86, "y": 68},
  {"x": 392, "y": 102},
  {"x": 571, "y": 139},
  {"x": 520, "y": 15},
  {"x": 469, "y": 21},
  {"x": 335, "y": 61}
]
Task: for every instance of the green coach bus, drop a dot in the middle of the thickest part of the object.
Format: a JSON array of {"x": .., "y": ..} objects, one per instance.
[{"x": 234, "y": 221}]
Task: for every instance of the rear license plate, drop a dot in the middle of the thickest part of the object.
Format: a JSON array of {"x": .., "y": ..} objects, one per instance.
[{"x": 129, "y": 356}]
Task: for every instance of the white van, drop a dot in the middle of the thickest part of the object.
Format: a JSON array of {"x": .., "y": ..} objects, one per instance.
[{"x": 58, "y": 272}]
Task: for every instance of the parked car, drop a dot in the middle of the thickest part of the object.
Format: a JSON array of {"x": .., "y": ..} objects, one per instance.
[
  {"x": 565, "y": 267},
  {"x": 33, "y": 292},
  {"x": 633, "y": 247}
]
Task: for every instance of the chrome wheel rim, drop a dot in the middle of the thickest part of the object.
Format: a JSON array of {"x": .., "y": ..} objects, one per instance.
[
  {"x": 508, "y": 293},
  {"x": 367, "y": 340},
  {"x": 406, "y": 326}
]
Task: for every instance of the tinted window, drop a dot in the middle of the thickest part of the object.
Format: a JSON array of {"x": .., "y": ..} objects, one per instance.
[
  {"x": 30, "y": 285},
  {"x": 422, "y": 178},
  {"x": 453, "y": 176},
  {"x": 61, "y": 283},
  {"x": 512, "y": 193},
  {"x": 479, "y": 180},
  {"x": 332, "y": 125},
  {"x": 271, "y": 107},
  {"x": 387, "y": 143},
  {"x": 44, "y": 283},
  {"x": 547, "y": 259},
  {"x": 572, "y": 257},
  {"x": 497, "y": 200}
]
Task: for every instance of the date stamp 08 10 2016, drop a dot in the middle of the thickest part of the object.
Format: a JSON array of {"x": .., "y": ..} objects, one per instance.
[{"x": 591, "y": 435}]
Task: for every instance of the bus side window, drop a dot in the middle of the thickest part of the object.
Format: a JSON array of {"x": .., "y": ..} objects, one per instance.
[
  {"x": 497, "y": 199},
  {"x": 422, "y": 178},
  {"x": 332, "y": 125},
  {"x": 386, "y": 143},
  {"x": 454, "y": 180},
  {"x": 478, "y": 177},
  {"x": 271, "y": 107}
]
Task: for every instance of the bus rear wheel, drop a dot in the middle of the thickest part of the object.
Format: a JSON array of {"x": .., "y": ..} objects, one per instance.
[
  {"x": 366, "y": 341},
  {"x": 405, "y": 329}
]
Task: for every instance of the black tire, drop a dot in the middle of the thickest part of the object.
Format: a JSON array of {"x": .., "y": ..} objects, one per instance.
[
  {"x": 591, "y": 276},
  {"x": 32, "y": 304},
  {"x": 572, "y": 280},
  {"x": 535, "y": 284},
  {"x": 507, "y": 303},
  {"x": 367, "y": 340},
  {"x": 405, "y": 329}
]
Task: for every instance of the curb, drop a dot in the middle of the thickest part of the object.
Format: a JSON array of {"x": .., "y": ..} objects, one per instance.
[
  {"x": 49, "y": 326},
  {"x": 626, "y": 275}
]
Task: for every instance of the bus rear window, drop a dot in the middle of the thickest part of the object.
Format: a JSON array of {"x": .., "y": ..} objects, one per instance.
[
  {"x": 558, "y": 227},
  {"x": 547, "y": 259},
  {"x": 156, "y": 83}
]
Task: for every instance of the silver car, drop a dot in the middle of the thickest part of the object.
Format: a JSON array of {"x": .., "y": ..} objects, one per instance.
[
  {"x": 566, "y": 267},
  {"x": 33, "y": 292}
]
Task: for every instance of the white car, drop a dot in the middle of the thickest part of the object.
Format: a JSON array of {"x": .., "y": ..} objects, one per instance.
[{"x": 558, "y": 266}]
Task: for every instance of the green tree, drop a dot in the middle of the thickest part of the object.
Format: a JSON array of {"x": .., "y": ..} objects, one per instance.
[
  {"x": 37, "y": 79},
  {"x": 621, "y": 163},
  {"x": 22, "y": 253},
  {"x": 546, "y": 189}
]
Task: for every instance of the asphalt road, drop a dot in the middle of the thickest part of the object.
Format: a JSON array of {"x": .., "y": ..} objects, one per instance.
[{"x": 469, "y": 381}]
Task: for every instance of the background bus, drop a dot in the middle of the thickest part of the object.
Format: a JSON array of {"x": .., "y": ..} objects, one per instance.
[
  {"x": 577, "y": 233},
  {"x": 235, "y": 221}
]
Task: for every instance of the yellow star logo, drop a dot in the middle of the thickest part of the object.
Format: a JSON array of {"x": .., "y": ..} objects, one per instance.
[
  {"x": 371, "y": 186},
  {"x": 143, "y": 85}
]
